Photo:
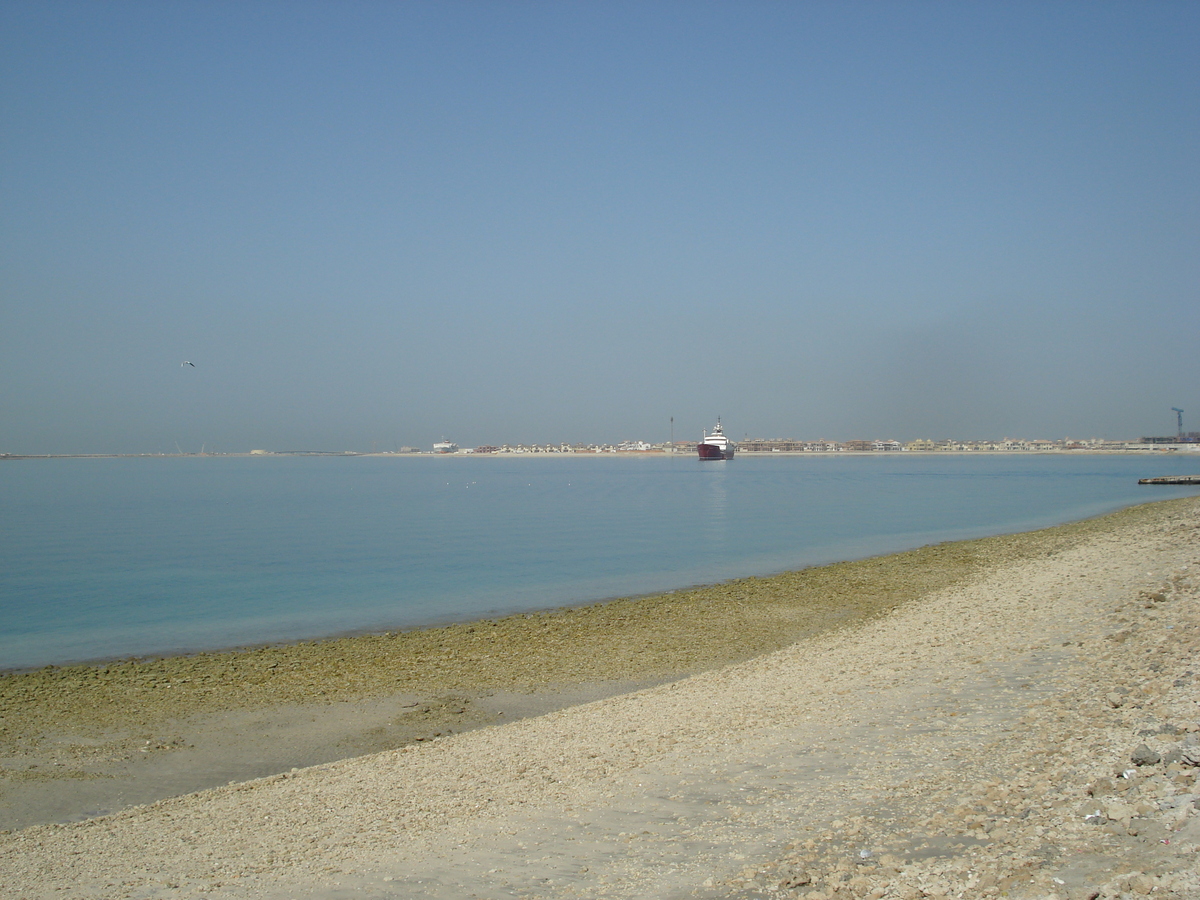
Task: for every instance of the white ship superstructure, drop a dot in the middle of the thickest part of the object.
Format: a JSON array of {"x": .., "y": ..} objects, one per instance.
[{"x": 716, "y": 445}]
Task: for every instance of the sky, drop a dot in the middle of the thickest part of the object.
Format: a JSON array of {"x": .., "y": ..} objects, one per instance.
[{"x": 373, "y": 225}]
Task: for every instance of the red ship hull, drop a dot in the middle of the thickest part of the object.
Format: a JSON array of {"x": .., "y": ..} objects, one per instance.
[{"x": 712, "y": 451}]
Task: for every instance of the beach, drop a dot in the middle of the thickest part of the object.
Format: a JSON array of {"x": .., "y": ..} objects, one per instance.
[{"x": 1015, "y": 716}]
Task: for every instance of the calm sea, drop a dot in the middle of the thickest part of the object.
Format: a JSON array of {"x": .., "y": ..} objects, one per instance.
[{"x": 119, "y": 557}]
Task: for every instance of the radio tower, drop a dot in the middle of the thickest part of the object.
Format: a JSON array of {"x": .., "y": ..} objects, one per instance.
[{"x": 1179, "y": 415}]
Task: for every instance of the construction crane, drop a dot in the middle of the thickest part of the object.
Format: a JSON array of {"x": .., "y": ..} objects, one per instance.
[{"x": 1178, "y": 415}]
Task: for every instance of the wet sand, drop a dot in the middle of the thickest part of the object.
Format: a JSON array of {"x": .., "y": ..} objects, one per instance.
[{"x": 922, "y": 722}]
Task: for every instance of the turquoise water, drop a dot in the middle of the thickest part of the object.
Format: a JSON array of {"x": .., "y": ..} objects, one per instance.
[{"x": 118, "y": 557}]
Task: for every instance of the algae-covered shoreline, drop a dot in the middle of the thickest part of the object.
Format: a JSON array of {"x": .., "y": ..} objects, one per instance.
[
  {"x": 642, "y": 638},
  {"x": 102, "y": 729}
]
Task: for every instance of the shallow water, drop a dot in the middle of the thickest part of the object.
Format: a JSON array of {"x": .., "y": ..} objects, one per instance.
[{"x": 118, "y": 557}]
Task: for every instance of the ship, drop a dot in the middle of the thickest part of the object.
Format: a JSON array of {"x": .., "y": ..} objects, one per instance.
[
  {"x": 716, "y": 445},
  {"x": 445, "y": 446}
]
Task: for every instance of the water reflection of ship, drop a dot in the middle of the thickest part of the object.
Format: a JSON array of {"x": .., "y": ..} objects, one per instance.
[
  {"x": 716, "y": 506},
  {"x": 716, "y": 445}
]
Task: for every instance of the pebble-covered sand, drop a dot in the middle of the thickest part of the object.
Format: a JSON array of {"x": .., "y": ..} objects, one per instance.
[{"x": 1012, "y": 717}]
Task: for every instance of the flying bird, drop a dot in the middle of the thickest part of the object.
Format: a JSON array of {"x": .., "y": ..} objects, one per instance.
[{"x": 186, "y": 363}]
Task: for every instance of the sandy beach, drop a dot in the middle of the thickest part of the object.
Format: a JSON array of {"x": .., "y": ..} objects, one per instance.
[{"x": 1012, "y": 717}]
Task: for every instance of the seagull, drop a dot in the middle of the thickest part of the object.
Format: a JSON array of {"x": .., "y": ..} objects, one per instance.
[{"x": 186, "y": 363}]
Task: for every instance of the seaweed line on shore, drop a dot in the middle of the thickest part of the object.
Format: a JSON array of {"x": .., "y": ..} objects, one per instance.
[{"x": 114, "y": 710}]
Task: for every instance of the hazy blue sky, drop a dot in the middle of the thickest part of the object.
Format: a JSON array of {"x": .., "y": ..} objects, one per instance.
[{"x": 525, "y": 221}]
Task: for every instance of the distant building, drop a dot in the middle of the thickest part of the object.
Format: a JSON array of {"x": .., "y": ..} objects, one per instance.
[{"x": 775, "y": 445}]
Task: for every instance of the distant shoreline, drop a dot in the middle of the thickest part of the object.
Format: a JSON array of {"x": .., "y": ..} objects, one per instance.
[{"x": 1150, "y": 450}]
